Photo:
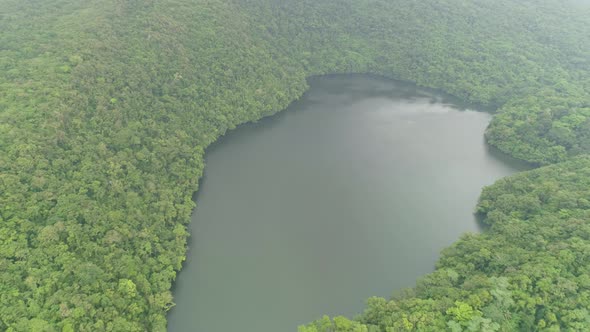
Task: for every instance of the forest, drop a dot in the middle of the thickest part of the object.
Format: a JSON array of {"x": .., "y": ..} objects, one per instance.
[{"x": 107, "y": 107}]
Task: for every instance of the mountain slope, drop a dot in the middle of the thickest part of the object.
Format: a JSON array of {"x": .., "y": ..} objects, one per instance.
[{"x": 106, "y": 109}]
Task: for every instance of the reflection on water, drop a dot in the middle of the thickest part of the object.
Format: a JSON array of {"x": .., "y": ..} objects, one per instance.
[{"x": 351, "y": 192}]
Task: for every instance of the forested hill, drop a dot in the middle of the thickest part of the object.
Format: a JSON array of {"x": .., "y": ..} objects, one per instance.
[{"x": 106, "y": 108}]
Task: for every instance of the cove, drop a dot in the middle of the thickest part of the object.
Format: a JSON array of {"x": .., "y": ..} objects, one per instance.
[{"x": 351, "y": 192}]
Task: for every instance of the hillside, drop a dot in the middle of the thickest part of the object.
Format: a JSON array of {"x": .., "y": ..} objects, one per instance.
[{"x": 106, "y": 109}]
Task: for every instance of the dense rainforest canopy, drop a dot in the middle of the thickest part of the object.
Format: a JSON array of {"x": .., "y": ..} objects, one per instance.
[{"x": 106, "y": 108}]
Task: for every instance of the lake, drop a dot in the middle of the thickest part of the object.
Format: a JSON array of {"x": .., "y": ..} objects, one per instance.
[{"x": 351, "y": 192}]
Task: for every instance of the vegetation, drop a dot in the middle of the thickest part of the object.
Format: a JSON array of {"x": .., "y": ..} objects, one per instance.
[{"x": 106, "y": 108}]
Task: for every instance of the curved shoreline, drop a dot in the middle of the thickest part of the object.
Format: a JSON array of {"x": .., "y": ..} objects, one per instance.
[
  {"x": 107, "y": 110},
  {"x": 267, "y": 120}
]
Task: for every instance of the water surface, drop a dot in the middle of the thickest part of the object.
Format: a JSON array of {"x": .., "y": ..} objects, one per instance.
[{"x": 350, "y": 193}]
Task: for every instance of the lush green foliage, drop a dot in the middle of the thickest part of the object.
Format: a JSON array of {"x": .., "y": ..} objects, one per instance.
[
  {"x": 106, "y": 108},
  {"x": 529, "y": 58}
]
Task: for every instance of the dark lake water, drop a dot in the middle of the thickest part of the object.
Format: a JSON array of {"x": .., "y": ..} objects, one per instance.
[{"x": 349, "y": 193}]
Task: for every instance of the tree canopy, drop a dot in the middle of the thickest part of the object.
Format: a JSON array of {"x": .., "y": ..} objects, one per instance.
[{"x": 106, "y": 108}]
